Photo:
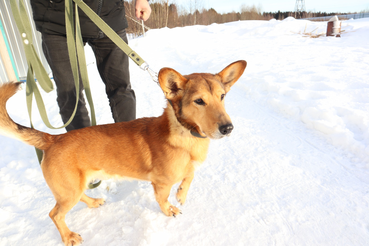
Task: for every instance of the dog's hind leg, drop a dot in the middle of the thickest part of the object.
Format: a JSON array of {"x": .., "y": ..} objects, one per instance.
[
  {"x": 67, "y": 186},
  {"x": 183, "y": 188},
  {"x": 57, "y": 214},
  {"x": 92, "y": 202},
  {"x": 161, "y": 194}
]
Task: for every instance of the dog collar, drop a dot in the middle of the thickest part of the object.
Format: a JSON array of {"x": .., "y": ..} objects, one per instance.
[{"x": 193, "y": 133}]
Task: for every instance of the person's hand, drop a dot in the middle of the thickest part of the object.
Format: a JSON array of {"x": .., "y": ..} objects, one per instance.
[{"x": 143, "y": 9}]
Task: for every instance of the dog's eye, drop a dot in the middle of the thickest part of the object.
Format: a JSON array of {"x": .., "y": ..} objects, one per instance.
[
  {"x": 199, "y": 101},
  {"x": 222, "y": 97}
]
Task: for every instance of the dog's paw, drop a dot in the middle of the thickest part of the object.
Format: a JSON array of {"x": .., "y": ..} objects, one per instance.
[
  {"x": 181, "y": 195},
  {"x": 171, "y": 211},
  {"x": 174, "y": 211},
  {"x": 73, "y": 239},
  {"x": 97, "y": 202}
]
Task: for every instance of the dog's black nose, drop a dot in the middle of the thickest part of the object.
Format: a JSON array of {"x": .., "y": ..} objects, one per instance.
[{"x": 226, "y": 129}]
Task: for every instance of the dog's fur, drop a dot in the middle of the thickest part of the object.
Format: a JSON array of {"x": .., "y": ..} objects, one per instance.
[{"x": 158, "y": 149}]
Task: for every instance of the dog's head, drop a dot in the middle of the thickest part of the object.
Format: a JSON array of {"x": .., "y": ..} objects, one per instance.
[{"x": 198, "y": 99}]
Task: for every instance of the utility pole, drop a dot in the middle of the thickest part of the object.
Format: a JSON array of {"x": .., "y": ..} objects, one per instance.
[{"x": 299, "y": 9}]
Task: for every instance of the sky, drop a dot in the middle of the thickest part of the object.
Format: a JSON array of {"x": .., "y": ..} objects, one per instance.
[{"x": 222, "y": 6}]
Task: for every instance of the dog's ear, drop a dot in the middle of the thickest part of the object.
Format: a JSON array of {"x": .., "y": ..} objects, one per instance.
[
  {"x": 171, "y": 82},
  {"x": 232, "y": 73}
]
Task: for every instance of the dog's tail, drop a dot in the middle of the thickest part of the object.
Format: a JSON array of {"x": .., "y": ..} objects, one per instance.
[{"x": 11, "y": 129}]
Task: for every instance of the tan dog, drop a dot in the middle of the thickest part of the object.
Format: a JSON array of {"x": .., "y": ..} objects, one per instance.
[{"x": 164, "y": 150}]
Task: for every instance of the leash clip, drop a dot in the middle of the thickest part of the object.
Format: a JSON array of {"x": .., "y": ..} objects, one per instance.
[{"x": 154, "y": 76}]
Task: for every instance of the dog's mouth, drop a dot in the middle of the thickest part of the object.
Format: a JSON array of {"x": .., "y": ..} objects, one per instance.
[
  {"x": 195, "y": 133},
  {"x": 198, "y": 135},
  {"x": 221, "y": 132},
  {"x": 218, "y": 135}
]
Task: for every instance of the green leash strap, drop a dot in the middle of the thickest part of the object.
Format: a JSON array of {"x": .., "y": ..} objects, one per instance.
[
  {"x": 75, "y": 43},
  {"x": 29, "y": 93},
  {"x": 109, "y": 32},
  {"x": 22, "y": 21},
  {"x": 78, "y": 62},
  {"x": 83, "y": 68},
  {"x": 35, "y": 67}
]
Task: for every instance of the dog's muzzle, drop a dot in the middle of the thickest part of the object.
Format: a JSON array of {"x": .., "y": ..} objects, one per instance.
[{"x": 226, "y": 129}]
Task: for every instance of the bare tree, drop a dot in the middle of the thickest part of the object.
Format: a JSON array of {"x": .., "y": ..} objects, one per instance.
[
  {"x": 166, "y": 21},
  {"x": 251, "y": 13},
  {"x": 197, "y": 7}
]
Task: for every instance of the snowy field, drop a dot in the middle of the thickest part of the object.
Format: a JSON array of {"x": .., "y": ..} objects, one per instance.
[{"x": 294, "y": 172}]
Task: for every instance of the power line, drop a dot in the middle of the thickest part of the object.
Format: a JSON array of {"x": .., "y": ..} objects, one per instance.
[{"x": 299, "y": 8}]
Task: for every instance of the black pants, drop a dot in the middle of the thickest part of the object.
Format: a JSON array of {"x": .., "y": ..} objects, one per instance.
[{"x": 113, "y": 66}]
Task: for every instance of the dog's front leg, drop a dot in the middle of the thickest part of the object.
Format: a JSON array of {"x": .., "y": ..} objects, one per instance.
[
  {"x": 185, "y": 185},
  {"x": 162, "y": 192}
]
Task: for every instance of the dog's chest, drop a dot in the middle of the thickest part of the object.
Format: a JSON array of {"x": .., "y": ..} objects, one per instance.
[{"x": 191, "y": 154}]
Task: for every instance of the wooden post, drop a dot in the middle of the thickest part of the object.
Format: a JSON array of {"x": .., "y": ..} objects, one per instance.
[{"x": 6, "y": 59}]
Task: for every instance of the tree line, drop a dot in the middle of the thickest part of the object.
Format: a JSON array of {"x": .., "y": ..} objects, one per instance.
[
  {"x": 282, "y": 15},
  {"x": 165, "y": 14}
]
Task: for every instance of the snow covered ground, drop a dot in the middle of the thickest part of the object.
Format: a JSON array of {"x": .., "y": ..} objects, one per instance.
[{"x": 294, "y": 172}]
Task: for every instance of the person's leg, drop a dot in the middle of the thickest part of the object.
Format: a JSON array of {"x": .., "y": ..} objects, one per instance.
[
  {"x": 56, "y": 53},
  {"x": 113, "y": 66}
]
